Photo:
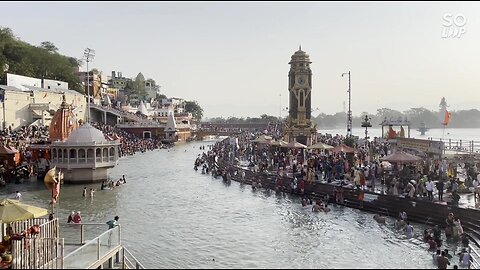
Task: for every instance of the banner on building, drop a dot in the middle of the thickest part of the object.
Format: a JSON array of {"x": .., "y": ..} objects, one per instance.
[{"x": 426, "y": 146}]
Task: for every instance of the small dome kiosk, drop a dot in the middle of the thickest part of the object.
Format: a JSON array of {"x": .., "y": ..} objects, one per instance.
[{"x": 85, "y": 156}]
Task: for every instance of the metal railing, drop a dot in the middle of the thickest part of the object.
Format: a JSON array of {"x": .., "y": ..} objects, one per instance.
[
  {"x": 38, "y": 253},
  {"x": 129, "y": 261},
  {"x": 469, "y": 146},
  {"x": 94, "y": 250},
  {"x": 79, "y": 233},
  {"x": 474, "y": 258}
]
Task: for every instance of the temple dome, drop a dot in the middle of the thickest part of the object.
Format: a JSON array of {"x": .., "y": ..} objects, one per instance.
[{"x": 86, "y": 134}]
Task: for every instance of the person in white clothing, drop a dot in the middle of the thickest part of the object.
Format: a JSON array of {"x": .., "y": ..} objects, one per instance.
[
  {"x": 429, "y": 186},
  {"x": 458, "y": 226}
]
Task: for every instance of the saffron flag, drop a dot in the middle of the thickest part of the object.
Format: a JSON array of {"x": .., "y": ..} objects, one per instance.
[
  {"x": 56, "y": 192},
  {"x": 56, "y": 188},
  {"x": 447, "y": 117}
]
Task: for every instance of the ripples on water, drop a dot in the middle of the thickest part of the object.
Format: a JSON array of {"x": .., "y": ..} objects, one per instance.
[{"x": 175, "y": 217}]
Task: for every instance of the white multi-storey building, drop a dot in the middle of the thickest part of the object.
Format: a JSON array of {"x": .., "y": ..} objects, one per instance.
[{"x": 23, "y": 102}]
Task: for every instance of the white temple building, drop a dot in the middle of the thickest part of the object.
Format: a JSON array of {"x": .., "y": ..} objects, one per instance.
[
  {"x": 85, "y": 156},
  {"x": 171, "y": 129}
]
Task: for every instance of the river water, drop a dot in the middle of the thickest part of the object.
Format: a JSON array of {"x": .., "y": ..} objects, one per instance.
[{"x": 175, "y": 217}]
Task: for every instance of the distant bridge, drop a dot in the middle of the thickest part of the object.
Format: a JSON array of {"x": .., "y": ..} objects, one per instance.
[
  {"x": 111, "y": 116},
  {"x": 200, "y": 134},
  {"x": 227, "y": 129}
]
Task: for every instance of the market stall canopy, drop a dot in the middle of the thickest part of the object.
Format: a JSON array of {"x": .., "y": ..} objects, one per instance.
[
  {"x": 343, "y": 148},
  {"x": 401, "y": 157},
  {"x": 280, "y": 143},
  {"x": 320, "y": 146},
  {"x": 14, "y": 210},
  {"x": 262, "y": 139},
  {"x": 295, "y": 145}
]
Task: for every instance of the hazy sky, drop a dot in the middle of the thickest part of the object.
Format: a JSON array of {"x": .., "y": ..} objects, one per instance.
[{"x": 232, "y": 57}]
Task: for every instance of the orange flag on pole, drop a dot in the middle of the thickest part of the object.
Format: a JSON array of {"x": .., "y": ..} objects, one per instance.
[{"x": 447, "y": 117}]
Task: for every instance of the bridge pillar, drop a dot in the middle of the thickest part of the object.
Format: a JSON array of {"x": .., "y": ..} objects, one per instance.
[{"x": 104, "y": 117}]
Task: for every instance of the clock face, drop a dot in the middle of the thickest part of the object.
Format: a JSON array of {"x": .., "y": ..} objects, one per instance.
[{"x": 301, "y": 80}]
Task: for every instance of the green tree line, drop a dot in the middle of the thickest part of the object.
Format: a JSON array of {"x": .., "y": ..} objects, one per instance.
[
  {"x": 264, "y": 118},
  {"x": 416, "y": 116},
  {"x": 43, "y": 61}
]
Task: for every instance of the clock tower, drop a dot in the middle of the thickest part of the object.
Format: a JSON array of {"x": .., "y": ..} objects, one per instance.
[{"x": 299, "y": 126}]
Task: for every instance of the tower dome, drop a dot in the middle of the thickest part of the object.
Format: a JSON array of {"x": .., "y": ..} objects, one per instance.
[
  {"x": 300, "y": 56},
  {"x": 86, "y": 134}
]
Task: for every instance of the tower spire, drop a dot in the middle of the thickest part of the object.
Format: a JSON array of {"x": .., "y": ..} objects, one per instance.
[{"x": 300, "y": 47}]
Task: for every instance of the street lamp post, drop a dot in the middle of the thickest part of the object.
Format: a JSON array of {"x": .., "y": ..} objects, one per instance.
[
  {"x": 349, "y": 115},
  {"x": 89, "y": 54}
]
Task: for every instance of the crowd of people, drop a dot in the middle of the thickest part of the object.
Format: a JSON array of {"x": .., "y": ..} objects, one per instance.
[
  {"x": 111, "y": 184},
  {"x": 428, "y": 179},
  {"x": 364, "y": 170},
  {"x": 130, "y": 143},
  {"x": 31, "y": 166},
  {"x": 19, "y": 140}
]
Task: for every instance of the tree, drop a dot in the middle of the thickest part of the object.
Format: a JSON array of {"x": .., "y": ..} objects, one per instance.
[
  {"x": 417, "y": 116},
  {"x": 40, "y": 62},
  {"x": 160, "y": 97},
  {"x": 217, "y": 120},
  {"x": 195, "y": 109},
  {"x": 49, "y": 46},
  {"x": 388, "y": 114},
  {"x": 268, "y": 118},
  {"x": 74, "y": 62},
  {"x": 129, "y": 88}
]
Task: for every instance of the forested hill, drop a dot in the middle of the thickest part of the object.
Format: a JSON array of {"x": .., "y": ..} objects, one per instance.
[{"x": 44, "y": 61}]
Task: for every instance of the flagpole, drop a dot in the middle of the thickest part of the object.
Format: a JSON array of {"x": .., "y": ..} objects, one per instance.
[{"x": 60, "y": 178}]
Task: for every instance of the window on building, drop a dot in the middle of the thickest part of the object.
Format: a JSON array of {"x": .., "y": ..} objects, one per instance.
[
  {"x": 73, "y": 153},
  {"x": 112, "y": 153}
]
